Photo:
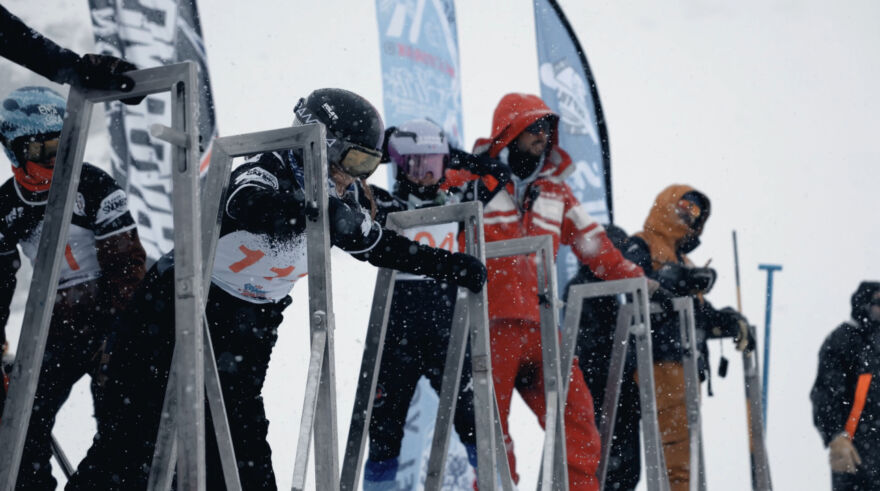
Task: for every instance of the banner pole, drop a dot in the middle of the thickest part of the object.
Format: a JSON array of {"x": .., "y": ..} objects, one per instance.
[{"x": 770, "y": 269}]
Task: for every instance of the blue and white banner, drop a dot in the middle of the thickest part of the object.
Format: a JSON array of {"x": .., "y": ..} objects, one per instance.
[
  {"x": 418, "y": 44},
  {"x": 567, "y": 86},
  {"x": 149, "y": 34}
]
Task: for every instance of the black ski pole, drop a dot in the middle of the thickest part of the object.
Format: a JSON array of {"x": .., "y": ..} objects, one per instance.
[{"x": 61, "y": 458}]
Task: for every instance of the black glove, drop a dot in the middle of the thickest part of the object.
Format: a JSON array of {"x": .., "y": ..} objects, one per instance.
[
  {"x": 702, "y": 279},
  {"x": 463, "y": 270},
  {"x": 285, "y": 213},
  {"x": 663, "y": 298},
  {"x": 103, "y": 72},
  {"x": 732, "y": 324},
  {"x": 481, "y": 165}
]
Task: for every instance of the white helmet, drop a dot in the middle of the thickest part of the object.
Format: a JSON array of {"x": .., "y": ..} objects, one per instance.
[{"x": 418, "y": 147}]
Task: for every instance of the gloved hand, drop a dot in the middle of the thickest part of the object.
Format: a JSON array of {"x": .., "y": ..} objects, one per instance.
[
  {"x": 481, "y": 165},
  {"x": 734, "y": 325},
  {"x": 94, "y": 71},
  {"x": 702, "y": 279},
  {"x": 842, "y": 455},
  {"x": 664, "y": 299},
  {"x": 464, "y": 270},
  {"x": 104, "y": 72},
  {"x": 287, "y": 208}
]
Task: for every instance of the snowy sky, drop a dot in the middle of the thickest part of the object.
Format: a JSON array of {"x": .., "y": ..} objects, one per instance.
[{"x": 769, "y": 107}]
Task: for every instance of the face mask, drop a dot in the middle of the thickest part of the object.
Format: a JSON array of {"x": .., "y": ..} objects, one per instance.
[
  {"x": 688, "y": 243},
  {"x": 34, "y": 177}
]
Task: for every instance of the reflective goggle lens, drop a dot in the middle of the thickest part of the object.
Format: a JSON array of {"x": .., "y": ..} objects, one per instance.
[
  {"x": 688, "y": 211},
  {"x": 540, "y": 126},
  {"x": 426, "y": 167},
  {"x": 359, "y": 161},
  {"x": 40, "y": 151}
]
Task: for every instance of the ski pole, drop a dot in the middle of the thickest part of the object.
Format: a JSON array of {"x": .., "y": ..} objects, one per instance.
[
  {"x": 760, "y": 465},
  {"x": 60, "y": 456},
  {"x": 770, "y": 268}
]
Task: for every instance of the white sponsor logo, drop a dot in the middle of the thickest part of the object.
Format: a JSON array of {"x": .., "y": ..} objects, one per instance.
[
  {"x": 79, "y": 206},
  {"x": 571, "y": 92},
  {"x": 258, "y": 174},
  {"x": 112, "y": 206}
]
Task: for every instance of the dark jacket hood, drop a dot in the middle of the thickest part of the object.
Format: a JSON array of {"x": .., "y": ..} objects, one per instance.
[{"x": 860, "y": 300}]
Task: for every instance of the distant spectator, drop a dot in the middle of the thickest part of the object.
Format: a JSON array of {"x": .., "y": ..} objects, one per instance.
[{"x": 846, "y": 402}]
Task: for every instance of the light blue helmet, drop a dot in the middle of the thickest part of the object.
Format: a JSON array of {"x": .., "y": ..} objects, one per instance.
[{"x": 30, "y": 111}]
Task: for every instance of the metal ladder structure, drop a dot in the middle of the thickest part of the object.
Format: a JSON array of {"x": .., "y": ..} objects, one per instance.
[
  {"x": 319, "y": 406},
  {"x": 554, "y": 466},
  {"x": 684, "y": 307},
  {"x": 181, "y": 81},
  {"x": 470, "y": 319},
  {"x": 634, "y": 319}
]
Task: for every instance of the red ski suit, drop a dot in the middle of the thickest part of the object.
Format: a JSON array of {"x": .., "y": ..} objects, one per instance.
[{"x": 547, "y": 208}]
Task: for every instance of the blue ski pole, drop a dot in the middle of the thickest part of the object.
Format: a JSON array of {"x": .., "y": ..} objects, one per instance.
[{"x": 770, "y": 268}]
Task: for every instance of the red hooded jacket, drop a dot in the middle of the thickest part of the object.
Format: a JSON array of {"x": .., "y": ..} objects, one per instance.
[{"x": 551, "y": 210}]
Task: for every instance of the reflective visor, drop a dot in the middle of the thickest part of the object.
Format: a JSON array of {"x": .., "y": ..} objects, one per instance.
[
  {"x": 358, "y": 161},
  {"x": 540, "y": 126},
  {"x": 39, "y": 151},
  {"x": 426, "y": 169},
  {"x": 689, "y": 212}
]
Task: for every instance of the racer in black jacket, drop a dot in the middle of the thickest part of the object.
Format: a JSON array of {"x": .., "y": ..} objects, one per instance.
[
  {"x": 104, "y": 261},
  {"x": 28, "y": 48},
  {"x": 420, "y": 318},
  {"x": 846, "y": 401},
  {"x": 672, "y": 230},
  {"x": 260, "y": 255}
]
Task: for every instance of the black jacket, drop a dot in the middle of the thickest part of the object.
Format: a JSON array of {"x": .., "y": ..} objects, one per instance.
[
  {"x": 28, "y": 48},
  {"x": 851, "y": 350}
]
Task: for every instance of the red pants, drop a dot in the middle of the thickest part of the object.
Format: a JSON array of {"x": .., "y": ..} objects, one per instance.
[{"x": 517, "y": 362}]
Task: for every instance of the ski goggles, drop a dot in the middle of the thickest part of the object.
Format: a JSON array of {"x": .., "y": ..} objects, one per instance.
[
  {"x": 689, "y": 212},
  {"x": 355, "y": 160},
  {"x": 426, "y": 168},
  {"x": 875, "y": 302},
  {"x": 542, "y": 125},
  {"x": 39, "y": 150}
]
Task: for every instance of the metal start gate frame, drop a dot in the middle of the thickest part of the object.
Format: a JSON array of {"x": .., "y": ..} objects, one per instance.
[
  {"x": 181, "y": 81},
  {"x": 633, "y": 318},
  {"x": 470, "y": 318},
  {"x": 684, "y": 307},
  {"x": 554, "y": 466},
  {"x": 319, "y": 406}
]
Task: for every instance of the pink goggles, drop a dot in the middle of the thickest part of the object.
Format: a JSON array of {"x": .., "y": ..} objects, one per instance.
[{"x": 426, "y": 168}]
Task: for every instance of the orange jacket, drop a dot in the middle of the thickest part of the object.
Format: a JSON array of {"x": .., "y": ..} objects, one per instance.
[
  {"x": 550, "y": 210},
  {"x": 664, "y": 229}
]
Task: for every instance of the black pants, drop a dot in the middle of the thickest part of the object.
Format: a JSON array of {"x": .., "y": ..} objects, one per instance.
[
  {"x": 243, "y": 335},
  {"x": 593, "y": 349},
  {"x": 76, "y": 334},
  {"x": 415, "y": 345}
]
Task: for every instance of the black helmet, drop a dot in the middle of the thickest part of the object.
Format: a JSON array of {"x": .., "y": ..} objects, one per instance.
[{"x": 354, "y": 128}]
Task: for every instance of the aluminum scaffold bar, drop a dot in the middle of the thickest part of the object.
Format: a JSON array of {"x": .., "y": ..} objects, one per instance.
[
  {"x": 181, "y": 81},
  {"x": 634, "y": 319},
  {"x": 554, "y": 465},
  {"x": 470, "y": 320},
  {"x": 684, "y": 307}
]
